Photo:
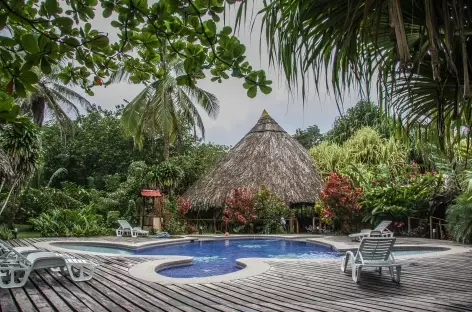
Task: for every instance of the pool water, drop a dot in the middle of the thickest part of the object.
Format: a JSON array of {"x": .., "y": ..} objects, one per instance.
[{"x": 218, "y": 256}]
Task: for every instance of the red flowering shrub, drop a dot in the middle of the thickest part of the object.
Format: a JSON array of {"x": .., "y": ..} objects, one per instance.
[
  {"x": 183, "y": 206},
  {"x": 340, "y": 200},
  {"x": 240, "y": 207}
]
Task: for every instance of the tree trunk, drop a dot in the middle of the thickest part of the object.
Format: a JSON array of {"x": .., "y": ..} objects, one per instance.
[{"x": 166, "y": 146}]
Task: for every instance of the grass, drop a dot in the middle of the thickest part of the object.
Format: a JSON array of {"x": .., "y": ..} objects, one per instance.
[
  {"x": 28, "y": 234},
  {"x": 25, "y": 231}
]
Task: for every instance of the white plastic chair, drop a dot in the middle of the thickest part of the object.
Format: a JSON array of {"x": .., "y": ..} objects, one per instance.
[
  {"x": 125, "y": 228},
  {"x": 381, "y": 230},
  {"x": 372, "y": 252},
  {"x": 15, "y": 267}
]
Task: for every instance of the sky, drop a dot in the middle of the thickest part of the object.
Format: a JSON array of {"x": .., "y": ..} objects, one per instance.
[{"x": 239, "y": 113}]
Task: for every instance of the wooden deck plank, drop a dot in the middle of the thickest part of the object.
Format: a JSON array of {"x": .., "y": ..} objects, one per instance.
[
  {"x": 386, "y": 289},
  {"x": 7, "y": 303},
  {"x": 22, "y": 300},
  {"x": 382, "y": 289},
  {"x": 49, "y": 294},
  {"x": 37, "y": 299},
  {"x": 84, "y": 298}
]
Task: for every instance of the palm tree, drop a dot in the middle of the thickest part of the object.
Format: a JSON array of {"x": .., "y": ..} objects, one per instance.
[
  {"x": 417, "y": 51},
  {"x": 52, "y": 98},
  {"x": 166, "y": 107}
]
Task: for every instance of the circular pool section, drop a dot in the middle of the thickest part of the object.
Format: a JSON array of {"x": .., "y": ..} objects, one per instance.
[{"x": 218, "y": 257}]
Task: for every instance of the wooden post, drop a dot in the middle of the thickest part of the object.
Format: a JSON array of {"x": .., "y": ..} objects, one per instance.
[
  {"x": 409, "y": 226},
  {"x": 440, "y": 230},
  {"x": 431, "y": 227}
]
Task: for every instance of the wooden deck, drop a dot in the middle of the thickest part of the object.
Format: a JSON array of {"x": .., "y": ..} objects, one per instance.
[{"x": 428, "y": 284}]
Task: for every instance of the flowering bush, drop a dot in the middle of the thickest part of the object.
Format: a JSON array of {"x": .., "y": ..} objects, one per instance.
[
  {"x": 340, "y": 200},
  {"x": 240, "y": 207},
  {"x": 398, "y": 198},
  {"x": 183, "y": 206}
]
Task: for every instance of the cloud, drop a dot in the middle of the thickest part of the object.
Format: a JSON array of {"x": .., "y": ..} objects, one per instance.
[{"x": 238, "y": 112}]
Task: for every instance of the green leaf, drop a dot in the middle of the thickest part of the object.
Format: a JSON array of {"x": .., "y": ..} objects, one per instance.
[
  {"x": 51, "y": 6},
  {"x": 63, "y": 22},
  {"x": 30, "y": 43},
  {"x": 100, "y": 41},
  {"x": 107, "y": 12},
  {"x": 210, "y": 24},
  {"x": 71, "y": 41},
  {"x": 45, "y": 66},
  {"x": 64, "y": 77},
  {"x": 7, "y": 41},
  {"x": 252, "y": 92},
  {"x": 29, "y": 77},
  {"x": 188, "y": 65},
  {"x": 20, "y": 88},
  {"x": 90, "y": 92},
  {"x": 265, "y": 89},
  {"x": 3, "y": 20},
  {"x": 226, "y": 30},
  {"x": 247, "y": 85},
  {"x": 183, "y": 80},
  {"x": 116, "y": 24}
]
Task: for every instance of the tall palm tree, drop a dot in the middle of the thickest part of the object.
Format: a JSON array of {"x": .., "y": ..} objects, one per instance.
[
  {"x": 166, "y": 107},
  {"x": 418, "y": 51},
  {"x": 53, "y": 99}
]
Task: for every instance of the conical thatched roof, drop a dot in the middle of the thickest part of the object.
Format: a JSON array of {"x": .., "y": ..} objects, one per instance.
[{"x": 268, "y": 156}]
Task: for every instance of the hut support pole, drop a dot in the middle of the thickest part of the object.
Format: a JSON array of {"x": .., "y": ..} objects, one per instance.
[{"x": 431, "y": 227}]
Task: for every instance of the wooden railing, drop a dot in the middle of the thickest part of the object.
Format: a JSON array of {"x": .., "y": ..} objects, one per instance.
[{"x": 437, "y": 227}]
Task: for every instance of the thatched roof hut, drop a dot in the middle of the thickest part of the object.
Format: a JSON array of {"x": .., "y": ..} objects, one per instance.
[{"x": 267, "y": 156}]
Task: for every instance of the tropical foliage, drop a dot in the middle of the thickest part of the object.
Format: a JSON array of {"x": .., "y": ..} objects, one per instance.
[
  {"x": 340, "y": 201},
  {"x": 46, "y": 33},
  {"x": 416, "y": 51},
  {"x": 459, "y": 219},
  {"x": 166, "y": 107},
  {"x": 240, "y": 209},
  {"x": 270, "y": 210},
  {"x": 54, "y": 100},
  {"x": 309, "y": 137}
]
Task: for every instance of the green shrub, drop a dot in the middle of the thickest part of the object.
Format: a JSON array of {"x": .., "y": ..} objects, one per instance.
[
  {"x": 459, "y": 219},
  {"x": 270, "y": 209},
  {"x": 112, "y": 218},
  {"x": 398, "y": 199},
  {"x": 67, "y": 222},
  {"x": 175, "y": 227},
  {"x": 5, "y": 232}
]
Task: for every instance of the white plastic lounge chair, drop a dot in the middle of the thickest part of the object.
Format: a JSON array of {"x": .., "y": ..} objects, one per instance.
[
  {"x": 379, "y": 231},
  {"x": 126, "y": 228},
  {"x": 15, "y": 268},
  {"x": 373, "y": 252}
]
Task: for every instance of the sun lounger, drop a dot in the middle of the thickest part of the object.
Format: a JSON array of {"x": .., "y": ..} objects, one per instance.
[
  {"x": 380, "y": 230},
  {"x": 125, "y": 228},
  {"x": 372, "y": 252},
  {"x": 15, "y": 267}
]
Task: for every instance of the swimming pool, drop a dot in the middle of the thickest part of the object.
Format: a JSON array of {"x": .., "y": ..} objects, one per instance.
[{"x": 216, "y": 257}]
